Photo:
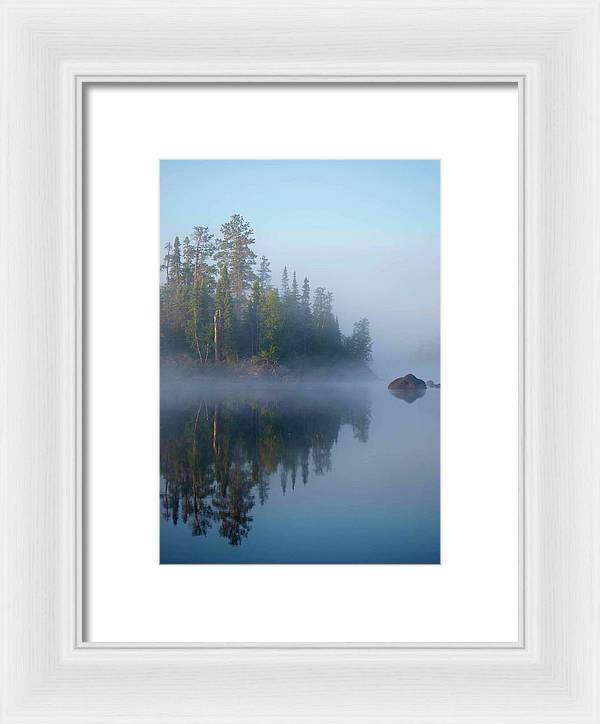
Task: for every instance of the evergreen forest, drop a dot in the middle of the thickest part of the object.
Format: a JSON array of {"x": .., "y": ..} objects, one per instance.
[{"x": 219, "y": 304}]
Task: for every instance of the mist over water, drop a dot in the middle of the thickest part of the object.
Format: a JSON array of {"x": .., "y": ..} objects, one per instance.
[{"x": 298, "y": 473}]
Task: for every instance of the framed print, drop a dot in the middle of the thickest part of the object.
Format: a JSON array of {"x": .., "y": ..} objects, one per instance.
[
  {"x": 224, "y": 476},
  {"x": 299, "y": 400}
]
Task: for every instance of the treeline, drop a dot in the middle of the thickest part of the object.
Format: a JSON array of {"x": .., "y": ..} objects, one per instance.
[{"x": 218, "y": 302}]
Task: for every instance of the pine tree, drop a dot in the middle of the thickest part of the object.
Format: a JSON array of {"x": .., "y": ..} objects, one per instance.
[
  {"x": 295, "y": 294},
  {"x": 198, "y": 327},
  {"x": 252, "y": 322},
  {"x": 167, "y": 260},
  {"x": 305, "y": 315},
  {"x": 264, "y": 273},
  {"x": 360, "y": 344},
  {"x": 320, "y": 308},
  {"x": 336, "y": 342},
  {"x": 175, "y": 268},
  {"x": 292, "y": 341},
  {"x": 327, "y": 337},
  {"x": 288, "y": 342},
  {"x": 173, "y": 299},
  {"x": 203, "y": 249},
  {"x": 285, "y": 285},
  {"x": 223, "y": 319},
  {"x": 234, "y": 252},
  {"x": 187, "y": 267},
  {"x": 270, "y": 322},
  {"x": 166, "y": 301}
]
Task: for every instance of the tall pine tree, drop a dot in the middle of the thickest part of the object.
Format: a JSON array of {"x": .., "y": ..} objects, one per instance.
[
  {"x": 305, "y": 315},
  {"x": 187, "y": 265},
  {"x": 223, "y": 319},
  {"x": 359, "y": 344},
  {"x": 203, "y": 249},
  {"x": 252, "y": 320},
  {"x": 294, "y": 292},
  {"x": 175, "y": 266},
  {"x": 270, "y": 326},
  {"x": 264, "y": 273},
  {"x": 285, "y": 285},
  {"x": 199, "y": 328},
  {"x": 235, "y": 252}
]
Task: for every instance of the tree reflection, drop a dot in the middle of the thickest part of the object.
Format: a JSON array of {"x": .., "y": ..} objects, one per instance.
[{"x": 219, "y": 455}]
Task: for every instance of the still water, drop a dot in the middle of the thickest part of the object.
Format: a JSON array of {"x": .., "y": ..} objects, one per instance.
[{"x": 299, "y": 474}]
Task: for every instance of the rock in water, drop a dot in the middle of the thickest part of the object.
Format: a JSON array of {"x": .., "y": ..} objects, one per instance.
[{"x": 408, "y": 382}]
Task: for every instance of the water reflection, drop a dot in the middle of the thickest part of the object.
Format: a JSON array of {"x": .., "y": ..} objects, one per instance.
[
  {"x": 410, "y": 395},
  {"x": 219, "y": 452}
]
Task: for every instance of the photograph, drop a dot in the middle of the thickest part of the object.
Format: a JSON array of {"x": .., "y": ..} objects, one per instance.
[
  {"x": 300, "y": 374},
  {"x": 298, "y": 383}
]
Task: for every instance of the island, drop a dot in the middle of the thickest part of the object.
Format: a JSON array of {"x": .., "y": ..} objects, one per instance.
[{"x": 221, "y": 315}]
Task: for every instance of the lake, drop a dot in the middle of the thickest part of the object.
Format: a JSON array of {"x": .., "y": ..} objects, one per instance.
[{"x": 298, "y": 473}]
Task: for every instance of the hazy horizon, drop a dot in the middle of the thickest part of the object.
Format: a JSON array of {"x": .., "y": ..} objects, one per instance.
[{"x": 368, "y": 231}]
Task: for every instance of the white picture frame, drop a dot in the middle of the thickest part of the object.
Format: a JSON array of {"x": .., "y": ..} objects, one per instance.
[{"x": 50, "y": 50}]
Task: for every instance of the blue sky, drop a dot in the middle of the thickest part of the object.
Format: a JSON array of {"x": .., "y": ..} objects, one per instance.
[{"x": 367, "y": 230}]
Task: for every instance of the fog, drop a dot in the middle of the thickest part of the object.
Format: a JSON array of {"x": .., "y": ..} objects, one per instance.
[{"x": 368, "y": 231}]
